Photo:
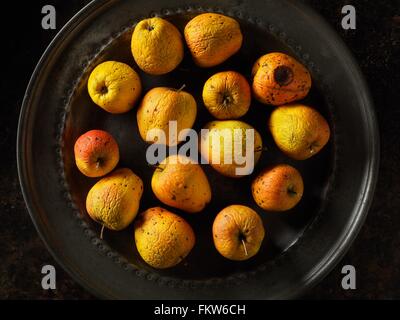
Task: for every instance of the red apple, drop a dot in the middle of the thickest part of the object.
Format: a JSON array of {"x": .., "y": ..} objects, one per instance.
[
  {"x": 96, "y": 153},
  {"x": 278, "y": 188}
]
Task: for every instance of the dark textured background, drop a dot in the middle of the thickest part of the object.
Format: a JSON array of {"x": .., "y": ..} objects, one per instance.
[{"x": 376, "y": 251}]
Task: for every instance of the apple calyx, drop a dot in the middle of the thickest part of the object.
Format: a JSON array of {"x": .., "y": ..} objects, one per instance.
[
  {"x": 226, "y": 99},
  {"x": 99, "y": 162},
  {"x": 283, "y": 75},
  {"x": 104, "y": 90},
  {"x": 291, "y": 191},
  {"x": 312, "y": 147}
]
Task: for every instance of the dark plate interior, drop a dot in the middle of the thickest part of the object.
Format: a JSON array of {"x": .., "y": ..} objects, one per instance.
[{"x": 204, "y": 262}]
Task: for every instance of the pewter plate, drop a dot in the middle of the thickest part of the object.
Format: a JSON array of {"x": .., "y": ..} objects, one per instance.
[{"x": 301, "y": 246}]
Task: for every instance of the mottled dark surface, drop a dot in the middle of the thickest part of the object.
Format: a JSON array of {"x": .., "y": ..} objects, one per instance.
[{"x": 376, "y": 251}]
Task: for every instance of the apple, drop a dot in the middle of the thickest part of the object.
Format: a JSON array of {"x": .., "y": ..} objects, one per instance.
[
  {"x": 96, "y": 153},
  {"x": 238, "y": 232},
  {"x": 278, "y": 188}
]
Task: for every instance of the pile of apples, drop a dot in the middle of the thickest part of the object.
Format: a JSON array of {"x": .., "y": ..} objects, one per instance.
[{"x": 163, "y": 238}]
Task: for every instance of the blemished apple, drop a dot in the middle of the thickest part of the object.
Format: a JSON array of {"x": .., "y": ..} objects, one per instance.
[
  {"x": 298, "y": 130},
  {"x": 238, "y": 232},
  {"x": 96, "y": 153},
  {"x": 181, "y": 184},
  {"x": 278, "y": 188}
]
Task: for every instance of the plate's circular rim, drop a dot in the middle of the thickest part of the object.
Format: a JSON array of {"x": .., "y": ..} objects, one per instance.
[{"x": 332, "y": 257}]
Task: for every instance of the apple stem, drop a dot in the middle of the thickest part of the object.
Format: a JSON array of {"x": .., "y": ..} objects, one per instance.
[
  {"x": 181, "y": 88},
  {"x": 261, "y": 149},
  {"x": 102, "y": 232},
  {"x": 155, "y": 166},
  {"x": 97, "y": 164},
  {"x": 244, "y": 246}
]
